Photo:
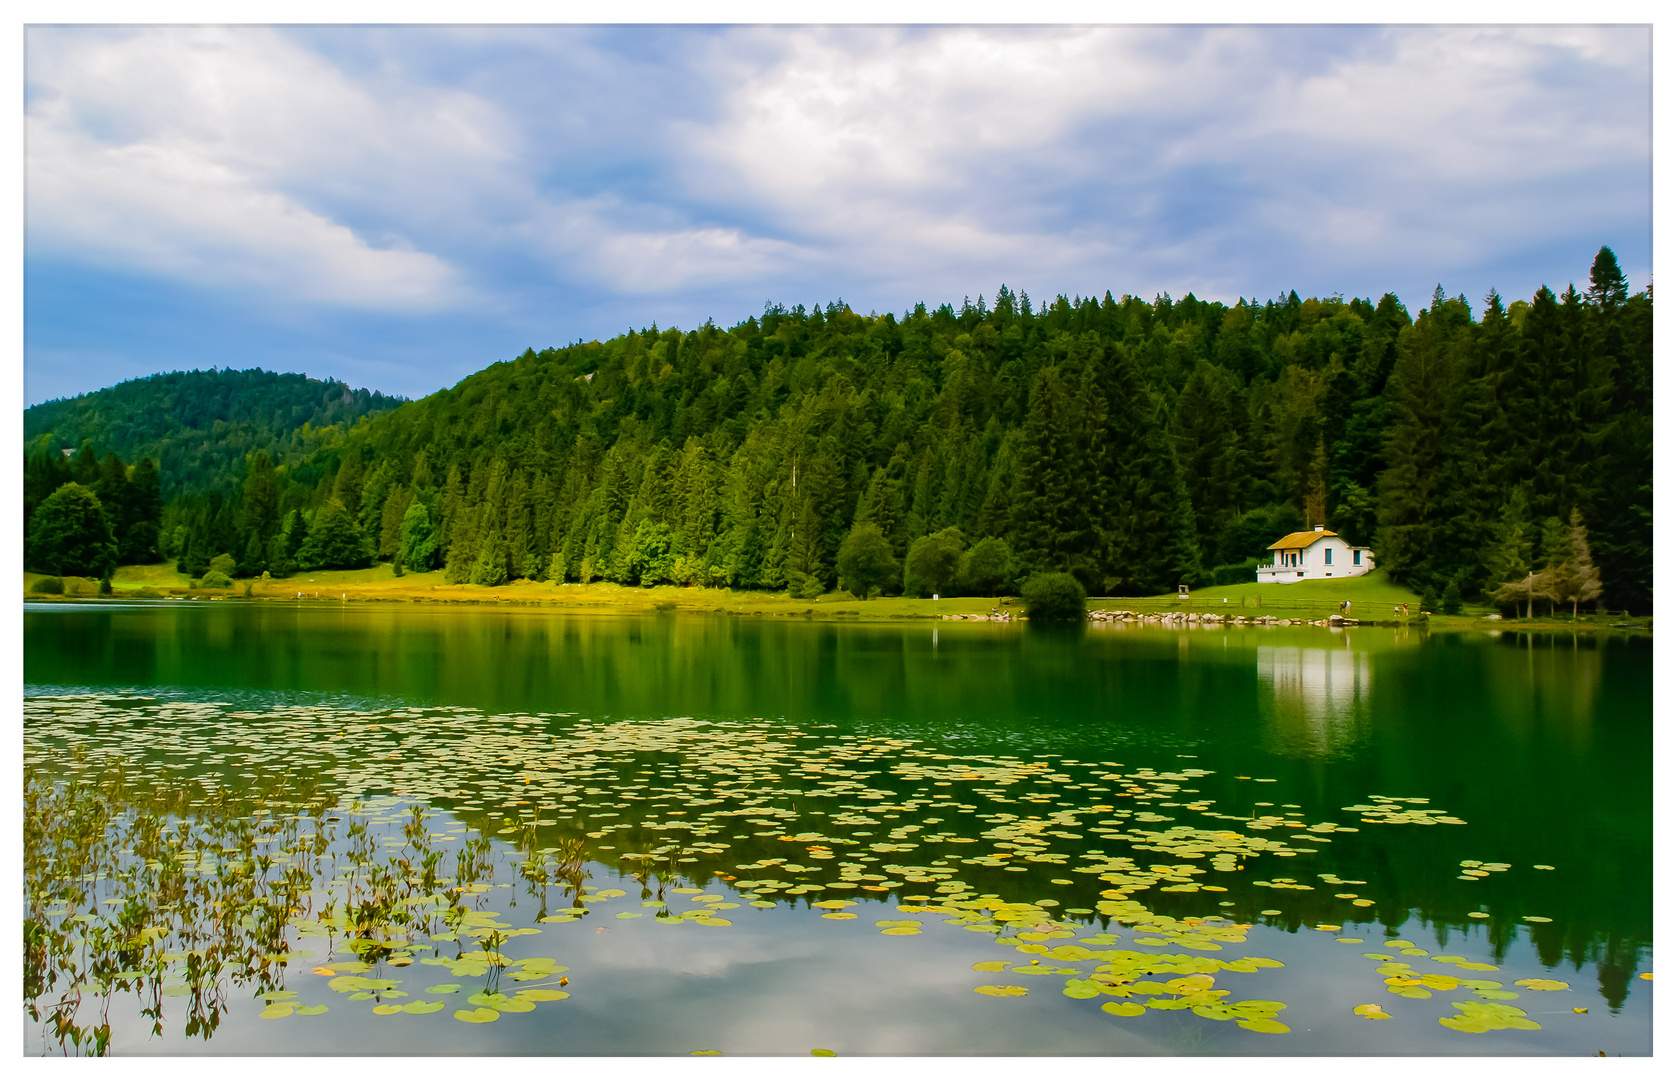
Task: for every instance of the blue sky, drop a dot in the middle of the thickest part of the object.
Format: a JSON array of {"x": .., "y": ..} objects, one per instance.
[{"x": 400, "y": 207}]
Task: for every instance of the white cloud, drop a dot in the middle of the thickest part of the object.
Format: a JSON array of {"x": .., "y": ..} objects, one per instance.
[
  {"x": 234, "y": 156},
  {"x": 347, "y": 167},
  {"x": 949, "y": 154},
  {"x": 168, "y": 210}
]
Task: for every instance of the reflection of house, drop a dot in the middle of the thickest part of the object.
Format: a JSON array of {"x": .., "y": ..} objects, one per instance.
[
  {"x": 1316, "y": 693},
  {"x": 1317, "y": 554}
]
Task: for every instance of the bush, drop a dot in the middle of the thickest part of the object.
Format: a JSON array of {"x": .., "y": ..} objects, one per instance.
[
  {"x": 1452, "y": 599},
  {"x": 52, "y": 585},
  {"x": 805, "y": 587},
  {"x": 1243, "y": 573},
  {"x": 146, "y": 591},
  {"x": 222, "y": 564},
  {"x": 215, "y": 579},
  {"x": 1054, "y": 598}
]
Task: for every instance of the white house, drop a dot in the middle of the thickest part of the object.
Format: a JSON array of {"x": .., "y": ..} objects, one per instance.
[{"x": 1317, "y": 554}]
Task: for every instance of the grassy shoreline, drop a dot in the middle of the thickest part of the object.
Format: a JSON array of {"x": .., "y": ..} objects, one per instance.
[{"x": 1310, "y": 600}]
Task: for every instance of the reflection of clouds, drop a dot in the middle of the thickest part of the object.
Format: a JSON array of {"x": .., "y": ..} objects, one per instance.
[{"x": 1315, "y": 695}]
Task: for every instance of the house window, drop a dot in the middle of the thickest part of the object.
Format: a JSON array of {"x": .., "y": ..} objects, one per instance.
[
  {"x": 1329, "y": 556},
  {"x": 1356, "y": 558}
]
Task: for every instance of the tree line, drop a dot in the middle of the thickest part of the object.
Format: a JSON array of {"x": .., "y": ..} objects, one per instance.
[
  {"x": 84, "y": 515},
  {"x": 1134, "y": 444}
]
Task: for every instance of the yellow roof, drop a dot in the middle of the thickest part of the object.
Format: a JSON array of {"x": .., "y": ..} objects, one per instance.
[{"x": 1300, "y": 539}]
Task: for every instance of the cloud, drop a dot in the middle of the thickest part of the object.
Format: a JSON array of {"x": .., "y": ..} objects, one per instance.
[
  {"x": 234, "y": 156},
  {"x": 167, "y": 210},
  {"x": 1192, "y": 154}
]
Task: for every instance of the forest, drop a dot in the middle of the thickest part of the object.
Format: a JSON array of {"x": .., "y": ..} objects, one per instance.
[
  {"x": 1134, "y": 444},
  {"x": 200, "y": 426}
]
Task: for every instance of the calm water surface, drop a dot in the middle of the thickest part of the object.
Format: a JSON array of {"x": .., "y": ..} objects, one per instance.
[{"x": 699, "y": 824}]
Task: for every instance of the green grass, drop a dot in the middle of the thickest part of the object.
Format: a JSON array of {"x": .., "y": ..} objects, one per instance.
[
  {"x": 380, "y": 583},
  {"x": 1373, "y": 587},
  {"x": 1371, "y": 596}
]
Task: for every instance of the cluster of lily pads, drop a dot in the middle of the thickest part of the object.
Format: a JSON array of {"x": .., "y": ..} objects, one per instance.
[{"x": 190, "y": 849}]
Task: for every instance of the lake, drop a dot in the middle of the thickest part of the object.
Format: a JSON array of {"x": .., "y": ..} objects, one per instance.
[{"x": 396, "y": 829}]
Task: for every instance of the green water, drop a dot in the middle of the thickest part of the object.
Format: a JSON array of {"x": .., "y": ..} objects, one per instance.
[{"x": 1123, "y": 806}]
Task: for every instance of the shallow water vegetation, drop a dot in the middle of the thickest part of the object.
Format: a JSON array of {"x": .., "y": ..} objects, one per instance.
[{"x": 314, "y": 859}]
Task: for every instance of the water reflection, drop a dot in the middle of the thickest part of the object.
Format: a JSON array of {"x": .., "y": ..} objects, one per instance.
[{"x": 1315, "y": 697}]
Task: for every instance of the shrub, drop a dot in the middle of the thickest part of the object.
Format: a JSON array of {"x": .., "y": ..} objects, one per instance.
[
  {"x": 1452, "y": 598},
  {"x": 215, "y": 579},
  {"x": 805, "y": 587},
  {"x": 1054, "y": 598},
  {"x": 1242, "y": 573},
  {"x": 52, "y": 585},
  {"x": 146, "y": 591}
]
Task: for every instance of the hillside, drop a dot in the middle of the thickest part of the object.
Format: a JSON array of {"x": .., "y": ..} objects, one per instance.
[
  {"x": 197, "y": 426},
  {"x": 1137, "y": 444}
]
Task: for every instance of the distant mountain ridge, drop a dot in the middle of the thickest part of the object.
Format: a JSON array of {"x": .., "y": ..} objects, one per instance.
[{"x": 198, "y": 425}]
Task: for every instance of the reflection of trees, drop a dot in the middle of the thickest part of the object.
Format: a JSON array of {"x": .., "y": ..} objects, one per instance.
[{"x": 1315, "y": 696}]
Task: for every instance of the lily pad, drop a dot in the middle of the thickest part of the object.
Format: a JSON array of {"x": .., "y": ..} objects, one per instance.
[
  {"x": 1001, "y": 991},
  {"x": 422, "y": 1007},
  {"x": 1123, "y": 1008},
  {"x": 476, "y": 1016},
  {"x": 1265, "y": 1026},
  {"x": 1543, "y": 984}
]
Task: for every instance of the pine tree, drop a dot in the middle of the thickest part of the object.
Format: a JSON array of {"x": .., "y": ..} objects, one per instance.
[
  {"x": 489, "y": 566},
  {"x": 417, "y": 547},
  {"x": 1575, "y": 577},
  {"x": 1607, "y": 287},
  {"x": 1414, "y": 496},
  {"x": 335, "y": 541}
]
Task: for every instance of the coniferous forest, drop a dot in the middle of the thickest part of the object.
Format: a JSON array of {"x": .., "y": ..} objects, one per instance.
[{"x": 1134, "y": 444}]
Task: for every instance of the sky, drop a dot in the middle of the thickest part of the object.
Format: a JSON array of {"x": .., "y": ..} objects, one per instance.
[{"x": 398, "y": 207}]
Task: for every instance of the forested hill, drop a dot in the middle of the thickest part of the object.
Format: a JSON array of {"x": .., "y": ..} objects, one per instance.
[
  {"x": 197, "y": 426},
  {"x": 1136, "y": 444}
]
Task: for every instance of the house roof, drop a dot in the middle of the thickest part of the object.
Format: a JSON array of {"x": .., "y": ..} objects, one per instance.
[{"x": 1300, "y": 539}]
